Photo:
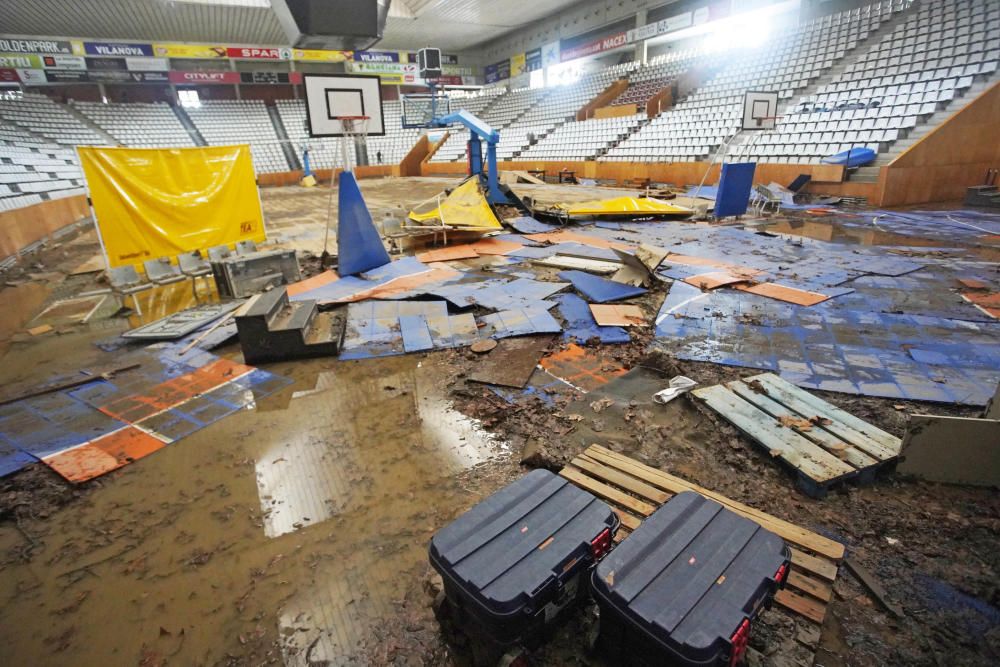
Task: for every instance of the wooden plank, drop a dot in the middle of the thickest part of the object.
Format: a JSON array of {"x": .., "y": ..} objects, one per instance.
[
  {"x": 785, "y": 529},
  {"x": 627, "y": 482},
  {"x": 819, "y": 566},
  {"x": 836, "y": 446},
  {"x": 813, "y": 587},
  {"x": 812, "y": 461},
  {"x": 610, "y": 493},
  {"x": 869, "y": 582},
  {"x": 801, "y": 604},
  {"x": 858, "y": 432}
]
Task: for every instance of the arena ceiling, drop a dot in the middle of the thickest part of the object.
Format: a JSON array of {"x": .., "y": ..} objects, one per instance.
[{"x": 452, "y": 25}]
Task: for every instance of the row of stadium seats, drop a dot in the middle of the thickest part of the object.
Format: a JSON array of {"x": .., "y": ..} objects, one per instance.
[{"x": 135, "y": 124}]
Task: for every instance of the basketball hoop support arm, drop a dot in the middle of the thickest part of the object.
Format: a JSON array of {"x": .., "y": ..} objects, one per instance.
[{"x": 480, "y": 131}]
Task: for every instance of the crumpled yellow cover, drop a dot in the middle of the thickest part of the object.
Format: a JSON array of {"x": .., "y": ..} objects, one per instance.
[
  {"x": 154, "y": 202},
  {"x": 625, "y": 206},
  {"x": 466, "y": 206}
]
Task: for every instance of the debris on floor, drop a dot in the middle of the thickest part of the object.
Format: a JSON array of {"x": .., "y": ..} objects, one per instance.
[{"x": 439, "y": 357}]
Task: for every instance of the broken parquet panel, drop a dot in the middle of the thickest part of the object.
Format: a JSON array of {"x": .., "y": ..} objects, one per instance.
[{"x": 635, "y": 491}]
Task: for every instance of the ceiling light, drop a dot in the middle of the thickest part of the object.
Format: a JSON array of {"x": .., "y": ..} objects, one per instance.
[{"x": 228, "y": 3}]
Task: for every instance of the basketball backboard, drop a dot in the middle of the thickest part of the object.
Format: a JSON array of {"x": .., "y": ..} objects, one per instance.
[
  {"x": 331, "y": 96},
  {"x": 760, "y": 110}
]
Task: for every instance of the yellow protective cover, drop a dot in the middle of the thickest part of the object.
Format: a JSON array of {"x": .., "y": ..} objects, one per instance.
[
  {"x": 625, "y": 206},
  {"x": 465, "y": 207},
  {"x": 152, "y": 202}
]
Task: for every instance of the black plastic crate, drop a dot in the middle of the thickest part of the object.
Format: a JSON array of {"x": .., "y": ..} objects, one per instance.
[
  {"x": 684, "y": 588},
  {"x": 512, "y": 564}
]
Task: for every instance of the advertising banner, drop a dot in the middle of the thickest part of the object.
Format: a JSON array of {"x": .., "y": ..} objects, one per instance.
[
  {"x": 189, "y": 51},
  {"x": 9, "y": 45},
  {"x": 8, "y": 75},
  {"x": 550, "y": 54},
  {"x": 64, "y": 62},
  {"x": 596, "y": 46},
  {"x": 147, "y": 64},
  {"x": 498, "y": 71},
  {"x": 20, "y": 60},
  {"x": 66, "y": 76},
  {"x": 533, "y": 60},
  {"x": 35, "y": 77},
  {"x": 315, "y": 55},
  {"x": 111, "y": 64},
  {"x": 117, "y": 49},
  {"x": 204, "y": 77},
  {"x": 378, "y": 57},
  {"x": 265, "y": 77},
  {"x": 110, "y": 76},
  {"x": 390, "y": 73},
  {"x": 258, "y": 53},
  {"x": 152, "y": 202},
  {"x": 149, "y": 77},
  {"x": 673, "y": 23},
  {"x": 517, "y": 64}
]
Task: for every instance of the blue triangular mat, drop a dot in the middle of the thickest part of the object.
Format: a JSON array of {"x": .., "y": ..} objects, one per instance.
[{"x": 359, "y": 246}]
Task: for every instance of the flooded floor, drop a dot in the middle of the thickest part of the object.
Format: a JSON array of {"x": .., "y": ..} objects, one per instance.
[{"x": 295, "y": 532}]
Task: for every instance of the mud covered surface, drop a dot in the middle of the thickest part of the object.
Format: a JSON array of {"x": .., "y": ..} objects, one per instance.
[{"x": 296, "y": 532}]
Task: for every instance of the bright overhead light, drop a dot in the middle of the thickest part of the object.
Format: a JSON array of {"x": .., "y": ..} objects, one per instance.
[{"x": 229, "y": 3}]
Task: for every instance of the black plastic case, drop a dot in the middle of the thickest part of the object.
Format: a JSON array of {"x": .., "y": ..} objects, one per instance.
[
  {"x": 684, "y": 588},
  {"x": 513, "y": 563}
]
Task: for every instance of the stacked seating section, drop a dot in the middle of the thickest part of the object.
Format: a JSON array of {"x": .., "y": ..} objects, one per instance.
[
  {"x": 140, "y": 125},
  {"x": 227, "y": 122},
  {"x": 865, "y": 77}
]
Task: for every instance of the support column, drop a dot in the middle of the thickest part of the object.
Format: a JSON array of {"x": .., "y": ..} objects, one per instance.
[{"x": 640, "y": 46}]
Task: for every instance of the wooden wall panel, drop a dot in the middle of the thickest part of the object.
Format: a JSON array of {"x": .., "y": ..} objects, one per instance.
[
  {"x": 616, "y": 111},
  {"x": 603, "y": 99},
  {"x": 955, "y": 155},
  {"x": 21, "y": 227}
]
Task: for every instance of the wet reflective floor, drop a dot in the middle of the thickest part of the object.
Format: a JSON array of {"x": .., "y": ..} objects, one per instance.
[{"x": 284, "y": 533}]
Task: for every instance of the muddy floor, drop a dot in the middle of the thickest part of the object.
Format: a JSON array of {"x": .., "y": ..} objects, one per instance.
[{"x": 296, "y": 531}]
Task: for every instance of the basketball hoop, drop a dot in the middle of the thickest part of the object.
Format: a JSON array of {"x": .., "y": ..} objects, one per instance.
[{"x": 353, "y": 129}]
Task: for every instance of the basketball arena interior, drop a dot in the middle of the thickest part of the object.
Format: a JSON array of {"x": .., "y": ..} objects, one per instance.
[{"x": 499, "y": 332}]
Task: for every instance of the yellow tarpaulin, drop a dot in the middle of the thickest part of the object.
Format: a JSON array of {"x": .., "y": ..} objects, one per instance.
[
  {"x": 465, "y": 207},
  {"x": 151, "y": 202},
  {"x": 637, "y": 206}
]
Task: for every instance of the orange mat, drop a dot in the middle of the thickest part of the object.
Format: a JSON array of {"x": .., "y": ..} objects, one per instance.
[
  {"x": 582, "y": 368},
  {"x": 492, "y": 246},
  {"x": 448, "y": 254},
  {"x": 573, "y": 237},
  {"x": 784, "y": 293},
  {"x": 104, "y": 454},
  {"x": 611, "y": 315}
]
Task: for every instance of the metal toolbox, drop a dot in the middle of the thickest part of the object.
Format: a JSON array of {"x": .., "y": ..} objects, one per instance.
[
  {"x": 684, "y": 587},
  {"x": 240, "y": 276},
  {"x": 514, "y": 563}
]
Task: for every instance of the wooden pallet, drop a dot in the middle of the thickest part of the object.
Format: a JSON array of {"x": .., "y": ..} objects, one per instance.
[
  {"x": 821, "y": 443},
  {"x": 635, "y": 491}
]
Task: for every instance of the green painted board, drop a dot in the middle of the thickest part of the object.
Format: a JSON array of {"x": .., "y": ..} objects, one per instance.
[{"x": 809, "y": 458}]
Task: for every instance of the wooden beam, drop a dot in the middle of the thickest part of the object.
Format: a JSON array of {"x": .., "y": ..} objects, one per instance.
[{"x": 786, "y": 530}]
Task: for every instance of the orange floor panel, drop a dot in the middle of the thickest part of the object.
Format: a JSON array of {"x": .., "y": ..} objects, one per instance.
[
  {"x": 104, "y": 454},
  {"x": 175, "y": 391},
  {"x": 581, "y": 367}
]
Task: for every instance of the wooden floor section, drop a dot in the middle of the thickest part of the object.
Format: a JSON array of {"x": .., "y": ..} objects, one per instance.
[
  {"x": 821, "y": 443},
  {"x": 635, "y": 491}
]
